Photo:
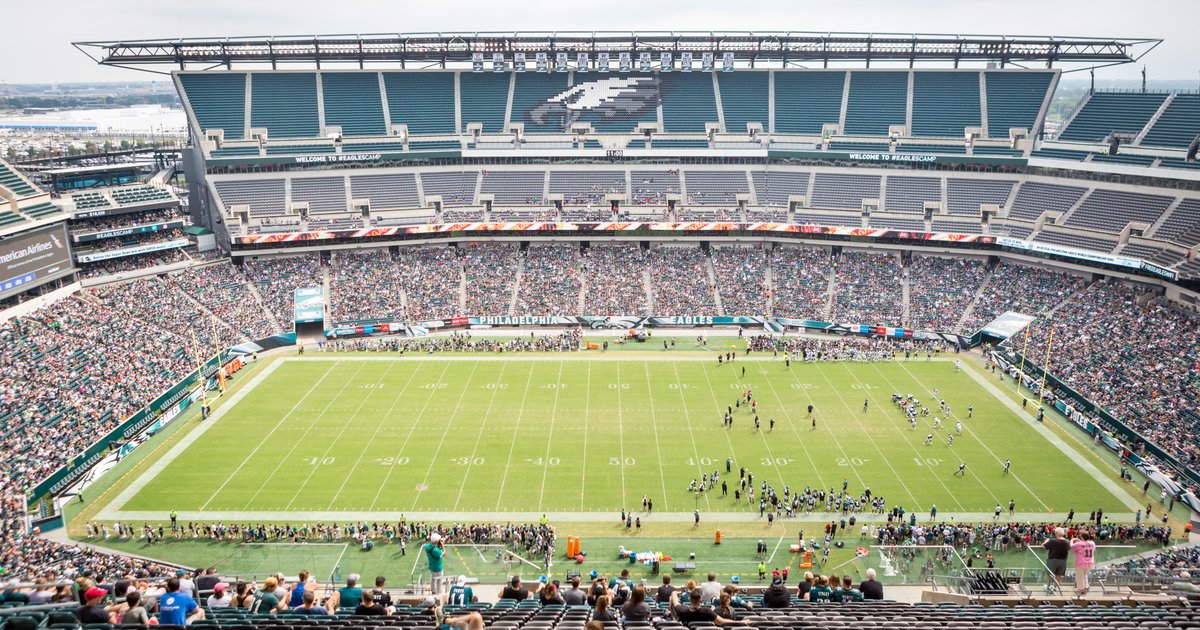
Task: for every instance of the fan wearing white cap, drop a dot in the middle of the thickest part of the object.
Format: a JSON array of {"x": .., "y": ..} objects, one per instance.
[
  {"x": 433, "y": 553},
  {"x": 460, "y": 593},
  {"x": 467, "y": 621}
]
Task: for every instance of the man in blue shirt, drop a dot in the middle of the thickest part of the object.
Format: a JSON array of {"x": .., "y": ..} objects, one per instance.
[{"x": 177, "y": 609}]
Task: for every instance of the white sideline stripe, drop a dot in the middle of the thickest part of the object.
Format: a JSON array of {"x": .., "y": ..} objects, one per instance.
[
  {"x": 1079, "y": 459},
  {"x": 593, "y": 517},
  {"x": 182, "y": 445}
]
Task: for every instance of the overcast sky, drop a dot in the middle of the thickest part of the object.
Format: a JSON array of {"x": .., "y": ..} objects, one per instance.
[{"x": 35, "y": 46}]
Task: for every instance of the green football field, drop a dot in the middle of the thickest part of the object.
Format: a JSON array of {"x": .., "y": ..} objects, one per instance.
[{"x": 581, "y": 436}]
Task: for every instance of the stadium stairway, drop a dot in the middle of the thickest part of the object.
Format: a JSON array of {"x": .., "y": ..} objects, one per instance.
[
  {"x": 583, "y": 289},
  {"x": 516, "y": 286},
  {"x": 970, "y": 310},
  {"x": 168, "y": 287},
  {"x": 769, "y": 284},
  {"x": 712, "y": 284},
  {"x": 905, "y": 291},
  {"x": 646, "y": 288},
  {"x": 258, "y": 299},
  {"x": 831, "y": 293}
]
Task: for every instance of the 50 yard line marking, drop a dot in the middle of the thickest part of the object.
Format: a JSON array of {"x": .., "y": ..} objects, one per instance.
[
  {"x": 654, "y": 424},
  {"x": 411, "y": 429}
]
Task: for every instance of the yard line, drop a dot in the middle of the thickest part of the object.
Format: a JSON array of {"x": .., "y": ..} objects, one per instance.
[
  {"x": 887, "y": 460},
  {"x": 729, "y": 440},
  {"x": 982, "y": 443},
  {"x": 266, "y": 483},
  {"x": 830, "y": 427},
  {"x": 852, "y": 413},
  {"x": 657, "y": 450},
  {"x": 446, "y": 431},
  {"x": 479, "y": 436},
  {"x": 549, "y": 436},
  {"x": 512, "y": 445},
  {"x": 799, "y": 438},
  {"x": 266, "y": 437},
  {"x": 762, "y": 435},
  {"x": 691, "y": 434},
  {"x": 378, "y": 426},
  {"x": 621, "y": 435},
  {"x": 411, "y": 429},
  {"x": 587, "y": 412},
  {"x": 351, "y": 420}
]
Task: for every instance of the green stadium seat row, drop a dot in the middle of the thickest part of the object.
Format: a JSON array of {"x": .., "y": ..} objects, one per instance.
[
  {"x": 1014, "y": 99},
  {"x": 285, "y": 103},
  {"x": 688, "y": 101},
  {"x": 352, "y": 101},
  {"x": 218, "y": 101},
  {"x": 12, "y": 181},
  {"x": 8, "y": 218},
  {"x": 1106, "y": 112},
  {"x": 945, "y": 103},
  {"x": 1178, "y": 125},
  {"x": 41, "y": 210},
  {"x": 90, "y": 200}
]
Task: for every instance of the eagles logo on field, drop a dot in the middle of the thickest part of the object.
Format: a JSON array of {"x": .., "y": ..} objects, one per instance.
[{"x": 604, "y": 100}]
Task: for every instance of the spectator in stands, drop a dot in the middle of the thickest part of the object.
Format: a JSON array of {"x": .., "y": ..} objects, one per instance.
[
  {"x": 381, "y": 596},
  {"x": 176, "y": 608},
  {"x": 711, "y": 588},
  {"x": 820, "y": 591},
  {"x": 220, "y": 596},
  {"x": 574, "y": 596},
  {"x": 602, "y": 612},
  {"x": 1085, "y": 559},
  {"x": 514, "y": 590},
  {"x": 268, "y": 601},
  {"x": 468, "y": 621},
  {"x": 1057, "y": 550},
  {"x": 370, "y": 608},
  {"x": 135, "y": 612},
  {"x": 92, "y": 611},
  {"x": 550, "y": 596},
  {"x": 350, "y": 595},
  {"x": 243, "y": 596},
  {"x": 870, "y": 587},
  {"x": 694, "y": 613},
  {"x": 664, "y": 592},
  {"x": 848, "y": 592},
  {"x": 636, "y": 610},
  {"x": 310, "y": 607},
  {"x": 206, "y": 581},
  {"x": 777, "y": 595},
  {"x": 434, "y": 550}
]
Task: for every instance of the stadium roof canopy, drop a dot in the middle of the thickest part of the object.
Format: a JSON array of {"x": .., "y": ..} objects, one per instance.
[{"x": 747, "y": 49}]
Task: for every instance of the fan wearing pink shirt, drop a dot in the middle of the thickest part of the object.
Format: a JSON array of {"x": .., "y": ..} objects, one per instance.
[{"x": 1085, "y": 559}]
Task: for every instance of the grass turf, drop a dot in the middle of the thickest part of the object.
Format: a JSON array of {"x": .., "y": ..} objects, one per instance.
[{"x": 568, "y": 435}]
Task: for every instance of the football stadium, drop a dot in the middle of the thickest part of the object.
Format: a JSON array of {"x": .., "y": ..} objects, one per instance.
[{"x": 610, "y": 331}]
